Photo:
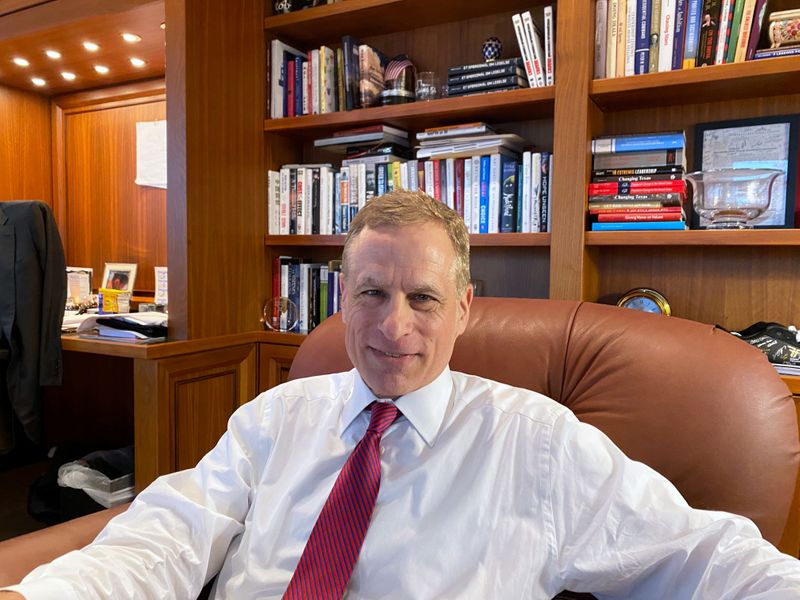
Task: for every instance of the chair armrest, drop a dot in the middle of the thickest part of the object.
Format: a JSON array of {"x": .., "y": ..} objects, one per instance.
[{"x": 20, "y": 555}]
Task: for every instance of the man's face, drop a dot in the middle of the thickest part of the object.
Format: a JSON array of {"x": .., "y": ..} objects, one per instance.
[{"x": 401, "y": 308}]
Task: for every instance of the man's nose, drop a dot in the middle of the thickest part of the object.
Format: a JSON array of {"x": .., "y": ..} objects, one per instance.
[{"x": 397, "y": 319}]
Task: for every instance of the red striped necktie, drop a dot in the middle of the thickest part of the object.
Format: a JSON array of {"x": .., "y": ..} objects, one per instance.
[{"x": 332, "y": 549}]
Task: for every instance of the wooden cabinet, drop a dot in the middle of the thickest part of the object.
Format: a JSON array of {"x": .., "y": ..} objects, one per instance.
[{"x": 730, "y": 278}]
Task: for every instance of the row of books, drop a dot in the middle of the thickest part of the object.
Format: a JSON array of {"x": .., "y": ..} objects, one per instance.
[
  {"x": 648, "y": 36},
  {"x": 493, "y": 193},
  {"x": 637, "y": 183},
  {"x": 312, "y": 287},
  {"x": 324, "y": 79},
  {"x": 537, "y": 48}
]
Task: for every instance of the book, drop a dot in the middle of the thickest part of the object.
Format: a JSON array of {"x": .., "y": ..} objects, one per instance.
[
  {"x": 629, "y": 44},
  {"x": 641, "y": 59},
  {"x": 352, "y": 76},
  {"x": 372, "y": 129},
  {"x": 709, "y": 31},
  {"x": 647, "y": 158},
  {"x": 655, "y": 35},
  {"x": 549, "y": 44},
  {"x": 725, "y": 18},
  {"x": 508, "y": 195},
  {"x": 755, "y": 30},
  {"x": 454, "y": 131},
  {"x": 509, "y": 81},
  {"x": 535, "y": 42},
  {"x": 733, "y": 37},
  {"x": 638, "y": 143},
  {"x": 639, "y": 187},
  {"x": 670, "y": 197},
  {"x": 746, "y": 24},
  {"x": 776, "y": 52},
  {"x": 628, "y": 171},
  {"x": 600, "y": 33},
  {"x": 667, "y": 37},
  {"x": 641, "y": 226},
  {"x": 478, "y": 66},
  {"x": 524, "y": 48},
  {"x": 637, "y": 178},
  {"x": 488, "y": 73},
  {"x": 359, "y": 139},
  {"x": 680, "y": 25},
  {"x": 502, "y": 88},
  {"x": 692, "y": 35},
  {"x": 625, "y": 205},
  {"x": 371, "y": 65},
  {"x": 638, "y": 217},
  {"x": 280, "y": 54},
  {"x": 627, "y": 210}
]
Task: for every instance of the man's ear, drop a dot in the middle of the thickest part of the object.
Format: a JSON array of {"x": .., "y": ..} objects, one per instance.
[
  {"x": 343, "y": 297},
  {"x": 464, "y": 304}
]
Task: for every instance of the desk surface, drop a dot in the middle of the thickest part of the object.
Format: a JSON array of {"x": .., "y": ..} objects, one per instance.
[{"x": 74, "y": 343}]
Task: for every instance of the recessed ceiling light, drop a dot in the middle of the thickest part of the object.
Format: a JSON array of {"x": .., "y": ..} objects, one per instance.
[
  {"x": 54, "y": 54},
  {"x": 38, "y": 81},
  {"x": 137, "y": 62},
  {"x": 68, "y": 76},
  {"x": 91, "y": 46},
  {"x": 163, "y": 25},
  {"x": 131, "y": 38},
  {"x": 21, "y": 62},
  {"x": 101, "y": 69}
]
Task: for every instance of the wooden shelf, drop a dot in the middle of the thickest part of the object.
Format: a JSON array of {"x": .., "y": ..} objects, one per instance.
[
  {"x": 753, "y": 237},
  {"x": 366, "y": 18},
  {"x": 475, "y": 240},
  {"x": 757, "y": 78},
  {"x": 500, "y": 106}
]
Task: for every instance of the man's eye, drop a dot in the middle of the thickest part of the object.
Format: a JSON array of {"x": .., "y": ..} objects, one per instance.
[
  {"x": 422, "y": 298},
  {"x": 371, "y": 293}
]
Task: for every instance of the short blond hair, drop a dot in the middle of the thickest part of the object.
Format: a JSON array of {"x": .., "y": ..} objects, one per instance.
[{"x": 403, "y": 208}]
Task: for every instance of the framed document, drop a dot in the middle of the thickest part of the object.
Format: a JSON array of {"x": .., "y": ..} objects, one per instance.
[{"x": 766, "y": 143}]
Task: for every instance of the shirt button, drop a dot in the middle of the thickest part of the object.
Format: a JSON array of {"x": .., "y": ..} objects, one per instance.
[{"x": 383, "y": 450}]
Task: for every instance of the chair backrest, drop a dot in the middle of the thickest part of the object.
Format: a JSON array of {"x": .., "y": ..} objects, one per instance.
[{"x": 703, "y": 408}]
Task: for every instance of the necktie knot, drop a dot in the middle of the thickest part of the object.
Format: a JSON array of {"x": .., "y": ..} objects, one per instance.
[{"x": 382, "y": 415}]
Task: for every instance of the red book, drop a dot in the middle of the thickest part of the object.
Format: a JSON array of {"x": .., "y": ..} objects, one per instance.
[
  {"x": 626, "y": 217},
  {"x": 437, "y": 183},
  {"x": 625, "y": 211},
  {"x": 459, "y": 201},
  {"x": 637, "y": 187},
  {"x": 290, "y": 91}
]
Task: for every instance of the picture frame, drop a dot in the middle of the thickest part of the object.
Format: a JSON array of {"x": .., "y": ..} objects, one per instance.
[
  {"x": 119, "y": 276},
  {"x": 763, "y": 142}
]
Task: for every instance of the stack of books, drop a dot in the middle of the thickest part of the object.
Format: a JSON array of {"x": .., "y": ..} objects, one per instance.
[
  {"x": 363, "y": 140},
  {"x": 495, "y": 76},
  {"x": 637, "y": 182},
  {"x": 537, "y": 49},
  {"x": 649, "y": 36}
]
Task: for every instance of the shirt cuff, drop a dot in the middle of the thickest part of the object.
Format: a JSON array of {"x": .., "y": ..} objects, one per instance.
[{"x": 49, "y": 588}]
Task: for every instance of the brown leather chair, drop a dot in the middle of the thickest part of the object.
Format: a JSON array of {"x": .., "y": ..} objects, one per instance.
[{"x": 703, "y": 408}]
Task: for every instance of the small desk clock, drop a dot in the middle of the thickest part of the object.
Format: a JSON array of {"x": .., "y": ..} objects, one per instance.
[{"x": 645, "y": 300}]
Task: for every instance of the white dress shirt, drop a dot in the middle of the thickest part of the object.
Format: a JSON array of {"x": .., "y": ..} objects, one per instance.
[{"x": 487, "y": 492}]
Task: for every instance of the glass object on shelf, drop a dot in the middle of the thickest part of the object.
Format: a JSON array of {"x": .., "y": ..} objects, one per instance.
[
  {"x": 279, "y": 314},
  {"x": 732, "y": 198},
  {"x": 428, "y": 86}
]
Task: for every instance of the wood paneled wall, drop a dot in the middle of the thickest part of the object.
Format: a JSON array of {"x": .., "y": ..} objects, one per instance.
[
  {"x": 104, "y": 215},
  {"x": 24, "y": 146}
]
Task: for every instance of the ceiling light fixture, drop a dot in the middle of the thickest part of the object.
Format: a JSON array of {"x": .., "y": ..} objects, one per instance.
[
  {"x": 21, "y": 62},
  {"x": 91, "y": 46},
  {"x": 137, "y": 62},
  {"x": 163, "y": 25},
  {"x": 38, "y": 81},
  {"x": 54, "y": 54},
  {"x": 68, "y": 76},
  {"x": 131, "y": 38},
  {"x": 101, "y": 69}
]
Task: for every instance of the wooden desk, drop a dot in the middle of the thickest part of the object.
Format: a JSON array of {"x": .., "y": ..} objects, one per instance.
[{"x": 185, "y": 391}]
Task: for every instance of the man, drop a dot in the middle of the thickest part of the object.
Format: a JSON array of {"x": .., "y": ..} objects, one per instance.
[{"x": 485, "y": 491}]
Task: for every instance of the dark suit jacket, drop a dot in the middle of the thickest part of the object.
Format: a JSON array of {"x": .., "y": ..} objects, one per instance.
[{"x": 33, "y": 291}]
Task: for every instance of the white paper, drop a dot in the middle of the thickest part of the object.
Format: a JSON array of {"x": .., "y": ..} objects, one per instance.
[
  {"x": 752, "y": 147},
  {"x": 151, "y": 154},
  {"x": 161, "y": 285}
]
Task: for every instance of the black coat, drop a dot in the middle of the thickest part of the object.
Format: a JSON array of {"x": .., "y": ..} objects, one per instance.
[{"x": 33, "y": 291}]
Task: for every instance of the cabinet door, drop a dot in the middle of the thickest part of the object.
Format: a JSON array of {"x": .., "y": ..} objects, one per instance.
[{"x": 274, "y": 362}]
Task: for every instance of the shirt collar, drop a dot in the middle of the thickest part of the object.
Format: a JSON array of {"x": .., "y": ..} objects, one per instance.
[{"x": 424, "y": 408}]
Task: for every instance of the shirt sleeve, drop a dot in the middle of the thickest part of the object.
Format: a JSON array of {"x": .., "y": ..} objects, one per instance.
[
  {"x": 623, "y": 531},
  {"x": 174, "y": 537}
]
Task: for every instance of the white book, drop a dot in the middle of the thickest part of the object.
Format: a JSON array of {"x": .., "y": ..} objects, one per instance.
[
  {"x": 429, "y": 178},
  {"x": 284, "y": 294},
  {"x": 306, "y": 99},
  {"x": 309, "y": 212},
  {"x": 274, "y": 202},
  {"x": 327, "y": 80},
  {"x": 525, "y": 50},
  {"x": 450, "y": 189},
  {"x": 362, "y": 185},
  {"x": 667, "y": 37},
  {"x": 600, "y": 41},
  {"x": 525, "y": 201},
  {"x": 476, "y": 194},
  {"x": 413, "y": 178},
  {"x": 534, "y": 38},
  {"x": 630, "y": 37},
  {"x": 611, "y": 38},
  {"x": 315, "y": 103},
  {"x": 284, "y": 216},
  {"x": 468, "y": 193},
  {"x": 404, "y": 183},
  {"x": 549, "y": 46},
  {"x": 324, "y": 201},
  {"x": 300, "y": 201},
  {"x": 536, "y": 191},
  {"x": 494, "y": 193},
  {"x": 725, "y": 15},
  {"x": 278, "y": 77}
]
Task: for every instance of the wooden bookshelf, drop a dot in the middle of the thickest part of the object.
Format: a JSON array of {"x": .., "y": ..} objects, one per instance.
[
  {"x": 475, "y": 240},
  {"x": 754, "y": 237}
]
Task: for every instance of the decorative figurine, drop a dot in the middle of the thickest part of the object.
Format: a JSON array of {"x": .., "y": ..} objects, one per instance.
[{"x": 492, "y": 49}]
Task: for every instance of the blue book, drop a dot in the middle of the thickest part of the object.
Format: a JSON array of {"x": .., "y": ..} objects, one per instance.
[
  {"x": 680, "y": 25},
  {"x": 508, "y": 194},
  {"x": 692, "y": 33},
  {"x": 483, "y": 208},
  {"x": 640, "y": 226},
  {"x": 520, "y": 198},
  {"x": 639, "y": 143},
  {"x": 298, "y": 86},
  {"x": 641, "y": 50}
]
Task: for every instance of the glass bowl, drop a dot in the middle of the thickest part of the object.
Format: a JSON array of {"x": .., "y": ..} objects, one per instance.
[{"x": 732, "y": 198}]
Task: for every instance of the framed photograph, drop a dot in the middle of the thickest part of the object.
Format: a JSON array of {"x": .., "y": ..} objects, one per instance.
[
  {"x": 79, "y": 284},
  {"x": 764, "y": 142},
  {"x": 119, "y": 276}
]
